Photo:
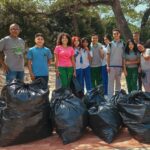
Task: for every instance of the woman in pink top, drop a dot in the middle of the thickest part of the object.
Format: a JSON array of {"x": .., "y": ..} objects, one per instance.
[{"x": 64, "y": 59}]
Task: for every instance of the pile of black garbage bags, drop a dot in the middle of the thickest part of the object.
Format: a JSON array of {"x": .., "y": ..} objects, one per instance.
[
  {"x": 107, "y": 117},
  {"x": 27, "y": 113},
  {"x": 24, "y": 113}
]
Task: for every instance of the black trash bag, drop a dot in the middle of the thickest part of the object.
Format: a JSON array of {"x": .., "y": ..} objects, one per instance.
[
  {"x": 27, "y": 116},
  {"x": 3, "y": 106},
  {"x": 94, "y": 97},
  {"x": 69, "y": 115},
  {"x": 105, "y": 121},
  {"x": 76, "y": 88},
  {"x": 135, "y": 113},
  {"x": 118, "y": 97}
]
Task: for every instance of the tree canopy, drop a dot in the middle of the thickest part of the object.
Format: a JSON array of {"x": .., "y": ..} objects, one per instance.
[{"x": 76, "y": 17}]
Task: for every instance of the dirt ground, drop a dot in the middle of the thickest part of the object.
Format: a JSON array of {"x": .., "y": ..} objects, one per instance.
[
  {"x": 52, "y": 78},
  {"x": 28, "y": 80},
  {"x": 88, "y": 142}
]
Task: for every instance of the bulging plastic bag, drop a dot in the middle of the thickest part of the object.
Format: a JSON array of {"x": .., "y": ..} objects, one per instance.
[
  {"x": 3, "y": 106},
  {"x": 135, "y": 112},
  {"x": 119, "y": 96},
  {"x": 105, "y": 121},
  {"x": 94, "y": 97},
  {"x": 69, "y": 115},
  {"x": 27, "y": 116},
  {"x": 76, "y": 88}
]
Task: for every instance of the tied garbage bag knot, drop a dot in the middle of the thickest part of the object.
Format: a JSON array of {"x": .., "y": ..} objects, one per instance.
[
  {"x": 27, "y": 116},
  {"x": 94, "y": 97},
  {"x": 135, "y": 112},
  {"x": 69, "y": 115}
]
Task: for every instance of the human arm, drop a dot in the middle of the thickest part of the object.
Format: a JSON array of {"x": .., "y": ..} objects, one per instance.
[
  {"x": 101, "y": 52},
  {"x": 73, "y": 64},
  {"x": 124, "y": 67},
  {"x": 49, "y": 62},
  {"x": 132, "y": 62},
  {"x": 30, "y": 57},
  {"x": 147, "y": 58},
  {"x": 30, "y": 70},
  {"x": 49, "y": 57},
  {"x": 108, "y": 62},
  {"x": 108, "y": 58},
  {"x": 56, "y": 64},
  {"x": 2, "y": 48},
  {"x": 88, "y": 53},
  {"x": 4, "y": 66}
]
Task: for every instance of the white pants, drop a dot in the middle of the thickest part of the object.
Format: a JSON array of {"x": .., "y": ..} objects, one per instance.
[
  {"x": 146, "y": 81},
  {"x": 114, "y": 77}
]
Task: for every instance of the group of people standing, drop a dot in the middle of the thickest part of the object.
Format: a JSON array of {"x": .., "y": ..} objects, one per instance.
[
  {"x": 95, "y": 63},
  {"x": 13, "y": 47},
  {"x": 91, "y": 63}
]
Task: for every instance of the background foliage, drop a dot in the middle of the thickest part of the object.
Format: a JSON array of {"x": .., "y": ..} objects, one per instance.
[{"x": 55, "y": 16}]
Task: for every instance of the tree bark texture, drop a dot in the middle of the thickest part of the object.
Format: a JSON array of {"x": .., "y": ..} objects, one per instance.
[{"x": 120, "y": 18}]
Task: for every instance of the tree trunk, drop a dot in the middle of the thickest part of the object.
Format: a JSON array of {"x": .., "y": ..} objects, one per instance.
[
  {"x": 116, "y": 7},
  {"x": 144, "y": 22},
  {"x": 120, "y": 20},
  {"x": 74, "y": 19}
]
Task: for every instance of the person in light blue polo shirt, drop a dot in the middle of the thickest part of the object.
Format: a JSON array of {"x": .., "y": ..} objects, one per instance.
[{"x": 39, "y": 58}]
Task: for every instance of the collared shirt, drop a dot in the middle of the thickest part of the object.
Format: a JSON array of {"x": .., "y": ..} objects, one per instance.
[
  {"x": 39, "y": 58},
  {"x": 83, "y": 54},
  {"x": 78, "y": 56},
  {"x": 95, "y": 53},
  {"x": 104, "y": 51},
  {"x": 86, "y": 62},
  {"x": 145, "y": 64},
  {"x": 116, "y": 53}
]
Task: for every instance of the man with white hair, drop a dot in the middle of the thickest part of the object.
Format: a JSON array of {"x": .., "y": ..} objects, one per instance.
[{"x": 13, "y": 48}]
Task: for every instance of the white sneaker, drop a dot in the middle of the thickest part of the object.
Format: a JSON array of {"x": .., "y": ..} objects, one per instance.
[{"x": 106, "y": 97}]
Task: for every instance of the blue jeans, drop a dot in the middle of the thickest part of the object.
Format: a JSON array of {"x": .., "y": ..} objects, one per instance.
[
  {"x": 87, "y": 78},
  {"x": 105, "y": 79},
  {"x": 11, "y": 75},
  {"x": 79, "y": 76}
]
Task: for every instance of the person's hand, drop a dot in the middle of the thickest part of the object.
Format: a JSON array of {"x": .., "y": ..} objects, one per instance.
[
  {"x": 57, "y": 73},
  {"x": 125, "y": 73},
  {"x": 32, "y": 76},
  {"x": 86, "y": 48},
  {"x": 108, "y": 69},
  {"x": 74, "y": 73},
  {"x": 5, "y": 68},
  {"x": 128, "y": 62},
  {"x": 139, "y": 70}
]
